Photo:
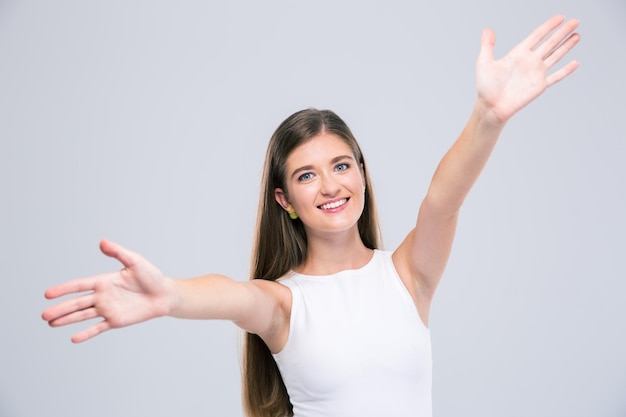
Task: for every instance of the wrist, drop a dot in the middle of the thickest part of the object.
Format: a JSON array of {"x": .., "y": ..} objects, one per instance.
[
  {"x": 173, "y": 297},
  {"x": 487, "y": 116}
]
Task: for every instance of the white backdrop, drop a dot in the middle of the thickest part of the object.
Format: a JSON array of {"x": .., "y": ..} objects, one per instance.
[{"x": 146, "y": 122}]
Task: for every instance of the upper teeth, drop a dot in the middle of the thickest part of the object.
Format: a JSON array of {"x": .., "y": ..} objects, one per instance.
[{"x": 334, "y": 204}]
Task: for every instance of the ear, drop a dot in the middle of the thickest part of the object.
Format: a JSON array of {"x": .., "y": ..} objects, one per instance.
[{"x": 281, "y": 198}]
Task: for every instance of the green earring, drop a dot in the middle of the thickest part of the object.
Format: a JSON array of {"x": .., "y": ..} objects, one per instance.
[{"x": 292, "y": 213}]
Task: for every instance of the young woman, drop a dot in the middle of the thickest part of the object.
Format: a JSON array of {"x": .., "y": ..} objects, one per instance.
[{"x": 334, "y": 325}]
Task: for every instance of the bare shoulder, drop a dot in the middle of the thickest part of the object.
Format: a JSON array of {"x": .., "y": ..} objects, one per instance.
[{"x": 273, "y": 289}]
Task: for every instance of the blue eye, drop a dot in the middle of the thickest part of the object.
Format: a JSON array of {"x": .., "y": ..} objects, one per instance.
[
  {"x": 342, "y": 167},
  {"x": 305, "y": 177}
]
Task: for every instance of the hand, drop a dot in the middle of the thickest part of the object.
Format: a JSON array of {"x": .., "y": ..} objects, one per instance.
[
  {"x": 136, "y": 293},
  {"x": 507, "y": 85}
]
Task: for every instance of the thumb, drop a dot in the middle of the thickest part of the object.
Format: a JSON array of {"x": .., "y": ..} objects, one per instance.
[
  {"x": 114, "y": 250},
  {"x": 487, "y": 42}
]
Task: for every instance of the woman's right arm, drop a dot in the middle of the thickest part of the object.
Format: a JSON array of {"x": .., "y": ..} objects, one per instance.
[{"x": 140, "y": 292}]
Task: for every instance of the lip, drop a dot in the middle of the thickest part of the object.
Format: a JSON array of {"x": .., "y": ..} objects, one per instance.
[{"x": 335, "y": 201}]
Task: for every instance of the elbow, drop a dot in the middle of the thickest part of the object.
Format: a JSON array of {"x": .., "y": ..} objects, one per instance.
[{"x": 440, "y": 206}]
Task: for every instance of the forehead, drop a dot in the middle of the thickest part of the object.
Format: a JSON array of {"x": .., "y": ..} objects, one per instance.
[{"x": 319, "y": 149}]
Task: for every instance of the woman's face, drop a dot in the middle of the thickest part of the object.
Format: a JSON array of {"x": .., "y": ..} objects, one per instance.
[{"x": 324, "y": 184}]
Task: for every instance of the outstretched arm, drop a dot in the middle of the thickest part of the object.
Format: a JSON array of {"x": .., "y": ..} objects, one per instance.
[
  {"x": 140, "y": 292},
  {"x": 504, "y": 87}
]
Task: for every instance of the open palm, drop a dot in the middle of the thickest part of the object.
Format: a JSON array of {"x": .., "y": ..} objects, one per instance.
[
  {"x": 136, "y": 293},
  {"x": 506, "y": 85}
]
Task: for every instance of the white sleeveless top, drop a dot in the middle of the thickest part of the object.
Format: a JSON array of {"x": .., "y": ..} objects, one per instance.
[{"x": 356, "y": 346}]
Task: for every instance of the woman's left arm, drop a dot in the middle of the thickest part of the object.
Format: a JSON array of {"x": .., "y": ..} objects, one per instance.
[{"x": 504, "y": 87}]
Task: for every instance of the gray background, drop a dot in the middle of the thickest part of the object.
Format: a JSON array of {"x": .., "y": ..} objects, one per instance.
[{"x": 146, "y": 122}]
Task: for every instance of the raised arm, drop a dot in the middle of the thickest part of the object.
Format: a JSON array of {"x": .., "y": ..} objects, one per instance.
[
  {"x": 140, "y": 292},
  {"x": 504, "y": 87}
]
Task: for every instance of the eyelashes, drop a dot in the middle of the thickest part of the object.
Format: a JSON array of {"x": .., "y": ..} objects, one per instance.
[
  {"x": 308, "y": 176},
  {"x": 305, "y": 177}
]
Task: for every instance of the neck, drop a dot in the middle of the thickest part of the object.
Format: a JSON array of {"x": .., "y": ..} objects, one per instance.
[{"x": 328, "y": 255}]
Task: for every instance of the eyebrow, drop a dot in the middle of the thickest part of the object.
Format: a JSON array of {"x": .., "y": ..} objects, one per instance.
[{"x": 309, "y": 167}]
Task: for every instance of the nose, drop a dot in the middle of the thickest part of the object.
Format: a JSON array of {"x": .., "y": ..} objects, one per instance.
[{"x": 329, "y": 185}]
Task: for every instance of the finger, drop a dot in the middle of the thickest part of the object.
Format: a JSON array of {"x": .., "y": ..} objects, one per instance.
[
  {"x": 75, "y": 317},
  {"x": 541, "y": 32},
  {"x": 91, "y": 332},
  {"x": 67, "y": 307},
  {"x": 557, "y": 76},
  {"x": 126, "y": 257},
  {"x": 546, "y": 48},
  {"x": 487, "y": 42},
  {"x": 562, "y": 50},
  {"x": 73, "y": 286}
]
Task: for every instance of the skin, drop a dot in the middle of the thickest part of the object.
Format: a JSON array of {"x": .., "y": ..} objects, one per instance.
[
  {"x": 324, "y": 171},
  {"x": 140, "y": 292}
]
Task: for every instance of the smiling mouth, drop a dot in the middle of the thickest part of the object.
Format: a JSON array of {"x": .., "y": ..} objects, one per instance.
[{"x": 334, "y": 204}]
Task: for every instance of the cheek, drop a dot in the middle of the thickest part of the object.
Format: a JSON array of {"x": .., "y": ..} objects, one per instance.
[
  {"x": 302, "y": 196},
  {"x": 358, "y": 183}
]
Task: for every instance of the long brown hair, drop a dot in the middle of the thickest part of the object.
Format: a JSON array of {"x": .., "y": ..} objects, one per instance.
[{"x": 280, "y": 245}]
